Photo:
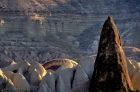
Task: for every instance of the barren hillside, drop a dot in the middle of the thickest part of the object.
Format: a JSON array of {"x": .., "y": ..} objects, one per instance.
[
  {"x": 62, "y": 28},
  {"x": 70, "y": 6}
]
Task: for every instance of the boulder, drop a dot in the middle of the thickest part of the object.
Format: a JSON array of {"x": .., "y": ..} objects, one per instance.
[
  {"x": 49, "y": 79},
  {"x": 6, "y": 84},
  {"x": 79, "y": 77},
  {"x": 60, "y": 86},
  {"x": 133, "y": 67},
  {"x": 87, "y": 64},
  {"x": 66, "y": 71},
  {"x": 10, "y": 67},
  {"x": 9, "y": 74},
  {"x": 136, "y": 80},
  {"x": 110, "y": 69},
  {"x": 24, "y": 65},
  {"x": 9, "y": 86},
  {"x": 40, "y": 69},
  {"x": 35, "y": 78},
  {"x": 44, "y": 88},
  {"x": 82, "y": 87},
  {"x": 21, "y": 83}
]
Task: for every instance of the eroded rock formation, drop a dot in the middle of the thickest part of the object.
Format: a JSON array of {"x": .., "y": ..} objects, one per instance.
[{"x": 110, "y": 70}]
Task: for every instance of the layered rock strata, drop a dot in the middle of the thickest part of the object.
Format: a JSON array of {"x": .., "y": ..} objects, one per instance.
[{"x": 110, "y": 70}]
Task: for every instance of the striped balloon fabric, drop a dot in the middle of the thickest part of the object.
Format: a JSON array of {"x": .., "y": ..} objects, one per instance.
[{"x": 56, "y": 63}]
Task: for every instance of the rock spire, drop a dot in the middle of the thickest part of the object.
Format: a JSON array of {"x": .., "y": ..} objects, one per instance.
[{"x": 110, "y": 70}]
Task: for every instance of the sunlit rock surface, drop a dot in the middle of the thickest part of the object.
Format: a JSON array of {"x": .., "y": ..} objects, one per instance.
[
  {"x": 80, "y": 81},
  {"x": 42, "y": 30},
  {"x": 61, "y": 80}
]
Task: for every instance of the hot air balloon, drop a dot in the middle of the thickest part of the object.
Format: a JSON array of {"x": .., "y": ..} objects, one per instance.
[{"x": 56, "y": 63}]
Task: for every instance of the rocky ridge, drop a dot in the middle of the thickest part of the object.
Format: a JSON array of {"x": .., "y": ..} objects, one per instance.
[
  {"x": 70, "y": 26},
  {"x": 33, "y": 76},
  {"x": 74, "y": 35},
  {"x": 49, "y": 7},
  {"x": 110, "y": 69}
]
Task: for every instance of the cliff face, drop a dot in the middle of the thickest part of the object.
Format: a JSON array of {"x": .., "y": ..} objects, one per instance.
[
  {"x": 37, "y": 33},
  {"x": 69, "y": 6},
  {"x": 35, "y": 24},
  {"x": 70, "y": 26}
]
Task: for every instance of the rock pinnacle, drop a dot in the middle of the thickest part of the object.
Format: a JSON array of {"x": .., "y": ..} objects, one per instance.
[{"x": 110, "y": 70}]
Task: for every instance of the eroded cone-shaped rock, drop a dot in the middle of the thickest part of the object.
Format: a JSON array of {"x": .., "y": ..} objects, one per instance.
[{"x": 110, "y": 70}]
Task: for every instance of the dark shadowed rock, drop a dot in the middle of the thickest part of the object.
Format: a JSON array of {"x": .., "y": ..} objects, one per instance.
[{"x": 110, "y": 70}]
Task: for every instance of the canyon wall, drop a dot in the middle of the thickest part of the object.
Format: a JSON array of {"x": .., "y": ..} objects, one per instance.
[
  {"x": 68, "y": 28},
  {"x": 74, "y": 35}
]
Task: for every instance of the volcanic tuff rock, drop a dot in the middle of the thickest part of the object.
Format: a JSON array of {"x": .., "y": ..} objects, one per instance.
[
  {"x": 110, "y": 70},
  {"x": 69, "y": 6},
  {"x": 69, "y": 25}
]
